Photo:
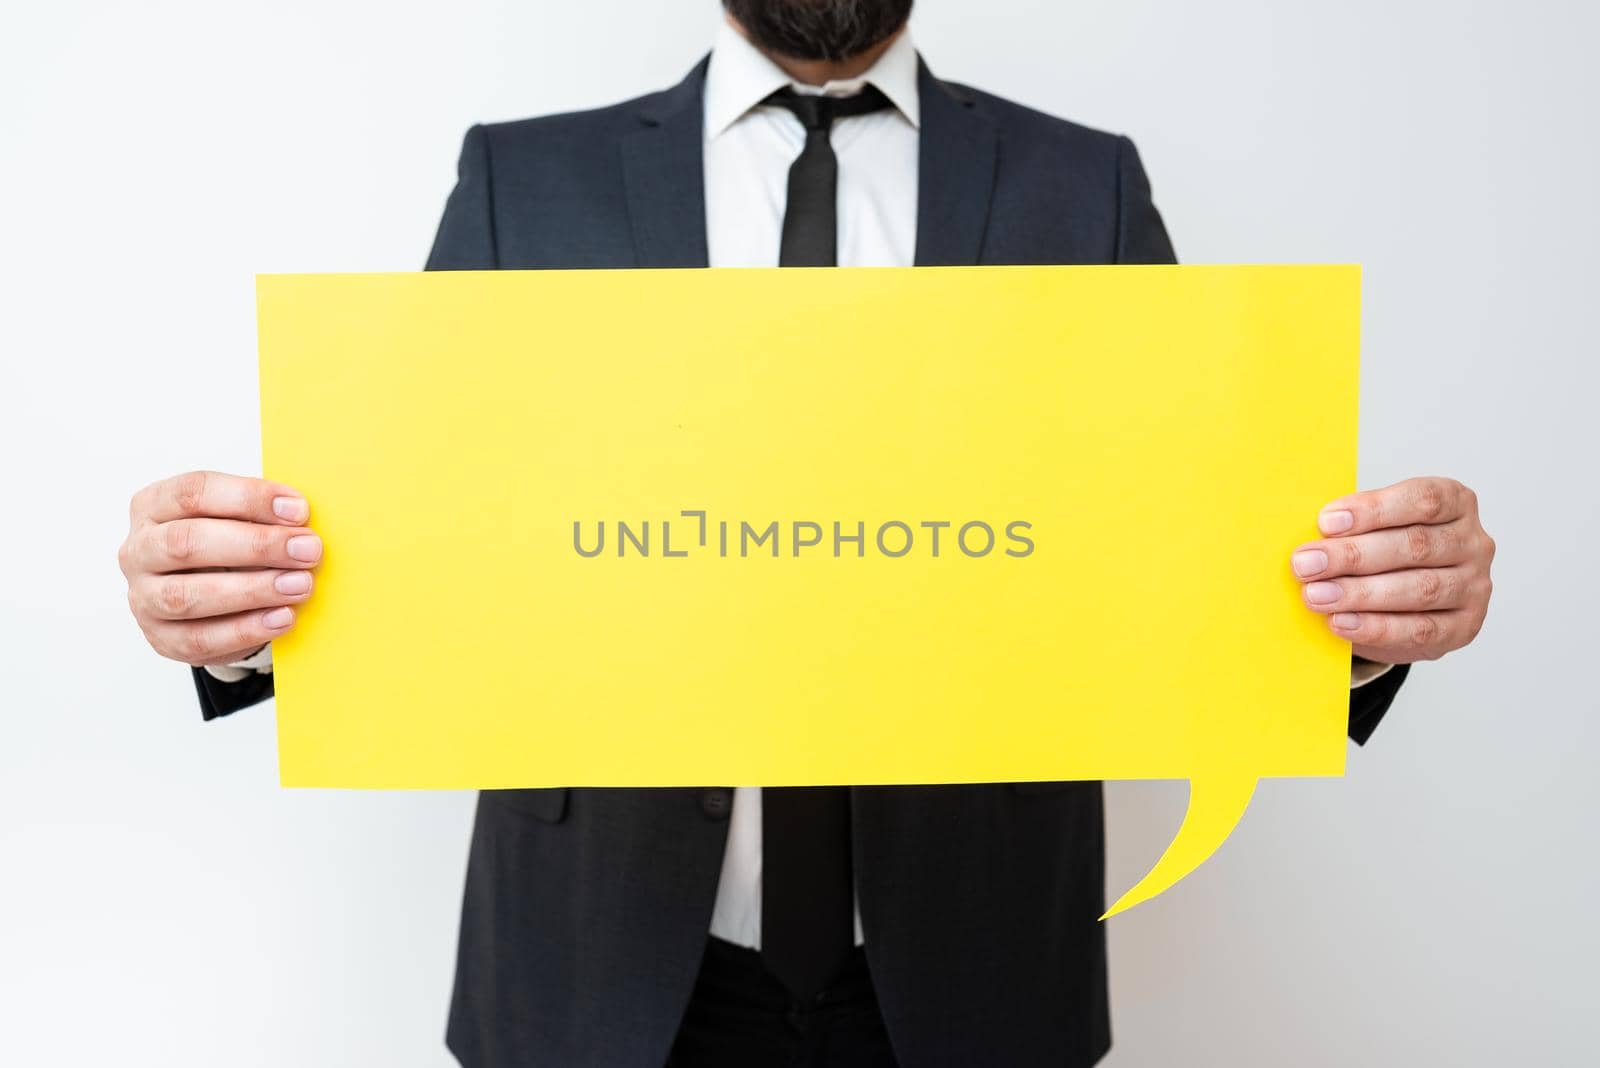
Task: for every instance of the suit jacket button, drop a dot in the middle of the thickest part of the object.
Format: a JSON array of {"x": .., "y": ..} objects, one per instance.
[{"x": 716, "y": 803}]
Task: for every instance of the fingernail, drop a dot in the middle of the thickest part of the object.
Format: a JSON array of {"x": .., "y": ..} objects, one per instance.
[
  {"x": 1336, "y": 522},
  {"x": 1323, "y": 592},
  {"x": 1346, "y": 620},
  {"x": 291, "y": 509},
  {"x": 293, "y": 583},
  {"x": 1310, "y": 562},
  {"x": 277, "y": 618},
  {"x": 307, "y": 547}
]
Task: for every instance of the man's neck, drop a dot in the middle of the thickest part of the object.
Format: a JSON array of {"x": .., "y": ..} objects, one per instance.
[{"x": 822, "y": 71}]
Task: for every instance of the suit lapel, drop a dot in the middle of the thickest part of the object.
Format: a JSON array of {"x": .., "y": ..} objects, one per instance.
[
  {"x": 664, "y": 174},
  {"x": 958, "y": 152}
]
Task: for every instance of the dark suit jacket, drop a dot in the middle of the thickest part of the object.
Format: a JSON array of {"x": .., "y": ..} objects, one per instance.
[{"x": 586, "y": 911}]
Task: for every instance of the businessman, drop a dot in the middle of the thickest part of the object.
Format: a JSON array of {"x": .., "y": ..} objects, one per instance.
[{"x": 921, "y": 926}]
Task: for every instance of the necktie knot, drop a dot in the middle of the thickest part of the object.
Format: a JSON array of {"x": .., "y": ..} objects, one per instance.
[{"x": 817, "y": 113}]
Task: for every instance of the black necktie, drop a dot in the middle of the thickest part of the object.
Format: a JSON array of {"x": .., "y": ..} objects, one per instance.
[
  {"x": 807, "y": 887},
  {"x": 810, "y": 226}
]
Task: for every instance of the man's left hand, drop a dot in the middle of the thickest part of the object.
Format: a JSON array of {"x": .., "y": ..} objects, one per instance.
[{"x": 1403, "y": 572}]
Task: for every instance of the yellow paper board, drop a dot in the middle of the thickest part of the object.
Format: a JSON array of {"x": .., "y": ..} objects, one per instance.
[{"x": 1144, "y": 444}]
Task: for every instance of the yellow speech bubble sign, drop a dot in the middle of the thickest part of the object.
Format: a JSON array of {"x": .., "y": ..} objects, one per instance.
[{"x": 949, "y": 525}]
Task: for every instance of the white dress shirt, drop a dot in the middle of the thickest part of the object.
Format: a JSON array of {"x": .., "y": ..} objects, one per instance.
[{"x": 748, "y": 149}]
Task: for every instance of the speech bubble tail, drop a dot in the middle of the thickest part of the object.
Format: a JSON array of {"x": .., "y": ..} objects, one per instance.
[{"x": 1215, "y": 807}]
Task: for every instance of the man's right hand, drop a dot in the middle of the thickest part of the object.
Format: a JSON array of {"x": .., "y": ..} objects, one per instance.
[{"x": 214, "y": 563}]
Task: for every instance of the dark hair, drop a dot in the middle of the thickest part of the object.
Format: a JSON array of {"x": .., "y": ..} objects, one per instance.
[{"x": 819, "y": 29}]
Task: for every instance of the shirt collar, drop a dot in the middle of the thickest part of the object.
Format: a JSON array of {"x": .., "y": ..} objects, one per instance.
[{"x": 740, "y": 77}]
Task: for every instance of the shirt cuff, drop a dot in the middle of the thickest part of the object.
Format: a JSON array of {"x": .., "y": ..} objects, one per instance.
[
  {"x": 1365, "y": 671},
  {"x": 257, "y": 663}
]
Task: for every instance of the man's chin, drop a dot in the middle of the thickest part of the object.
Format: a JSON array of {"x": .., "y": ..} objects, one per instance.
[{"x": 819, "y": 30}]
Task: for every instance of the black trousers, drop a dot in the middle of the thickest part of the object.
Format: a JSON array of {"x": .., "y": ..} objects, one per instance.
[{"x": 741, "y": 1015}]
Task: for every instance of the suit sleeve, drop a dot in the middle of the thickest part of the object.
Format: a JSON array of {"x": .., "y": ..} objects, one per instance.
[
  {"x": 218, "y": 698},
  {"x": 1141, "y": 235},
  {"x": 1369, "y": 702},
  {"x": 466, "y": 237},
  {"x": 465, "y": 241}
]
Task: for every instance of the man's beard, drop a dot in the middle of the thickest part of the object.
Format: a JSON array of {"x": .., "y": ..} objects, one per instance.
[{"x": 819, "y": 29}]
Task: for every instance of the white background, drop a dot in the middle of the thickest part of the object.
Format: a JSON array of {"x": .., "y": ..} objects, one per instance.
[{"x": 163, "y": 902}]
